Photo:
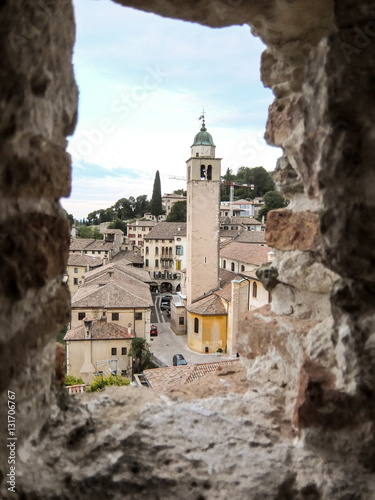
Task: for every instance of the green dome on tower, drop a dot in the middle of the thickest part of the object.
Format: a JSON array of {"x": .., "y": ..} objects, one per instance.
[{"x": 203, "y": 138}]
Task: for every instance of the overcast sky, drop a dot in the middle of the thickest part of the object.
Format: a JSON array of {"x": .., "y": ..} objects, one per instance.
[{"x": 143, "y": 83}]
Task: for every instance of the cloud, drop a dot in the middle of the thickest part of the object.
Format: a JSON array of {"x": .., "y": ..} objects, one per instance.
[{"x": 144, "y": 81}]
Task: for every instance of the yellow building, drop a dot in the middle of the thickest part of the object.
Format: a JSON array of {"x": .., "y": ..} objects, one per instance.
[
  {"x": 207, "y": 324},
  {"x": 77, "y": 266},
  {"x": 98, "y": 346}
]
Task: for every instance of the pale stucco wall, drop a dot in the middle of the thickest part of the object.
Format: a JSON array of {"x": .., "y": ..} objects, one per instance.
[
  {"x": 101, "y": 350},
  {"x": 126, "y": 317},
  {"x": 79, "y": 275}
]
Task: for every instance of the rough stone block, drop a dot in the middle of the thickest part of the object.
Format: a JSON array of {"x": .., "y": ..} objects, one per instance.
[
  {"x": 287, "y": 230},
  {"x": 302, "y": 271},
  {"x": 283, "y": 117}
]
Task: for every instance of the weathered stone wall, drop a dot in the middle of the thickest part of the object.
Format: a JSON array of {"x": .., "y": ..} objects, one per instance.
[
  {"x": 38, "y": 102},
  {"x": 304, "y": 428}
]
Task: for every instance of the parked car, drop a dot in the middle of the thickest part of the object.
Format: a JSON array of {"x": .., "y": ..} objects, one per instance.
[
  {"x": 179, "y": 360},
  {"x": 153, "y": 331},
  {"x": 166, "y": 305}
]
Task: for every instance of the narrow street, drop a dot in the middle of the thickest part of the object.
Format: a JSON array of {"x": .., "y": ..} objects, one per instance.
[{"x": 166, "y": 344}]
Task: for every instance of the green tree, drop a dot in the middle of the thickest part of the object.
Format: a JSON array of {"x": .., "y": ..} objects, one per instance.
[
  {"x": 101, "y": 382},
  {"x": 141, "y": 205},
  {"x": 93, "y": 218},
  {"x": 89, "y": 232},
  {"x": 124, "y": 209},
  {"x": 178, "y": 212},
  {"x": 70, "y": 217},
  {"x": 140, "y": 353},
  {"x": 181, "y": 192},
  {"x": 272, "y": 201},
  {"x": 118, "y": 224},
  {"x": 72, "y": 380},
  {"x": 225, "y": 188},
  {"x": 156, "y": 206}
]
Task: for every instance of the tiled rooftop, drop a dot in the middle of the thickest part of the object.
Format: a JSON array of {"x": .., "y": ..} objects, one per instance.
[
  {"x": 162, "y": 380},
  {"x": 80, "y": 243},
  {"x": 84, "y": 260},
  {"x": 239, "y": 221},
  {"x": 166, "y": 231},
  {"x": 114, "y": 285},
  {"x": 211, "y": 305},
  {"x": 258, "y": 237},
  {"x": 100, "y": 330},
  {"x": 129, "y": 255},
  {"x": 242, "y": 252}
]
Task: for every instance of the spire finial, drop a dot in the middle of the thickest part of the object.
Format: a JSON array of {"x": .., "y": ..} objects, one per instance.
[{"x": 203, "y": 121}]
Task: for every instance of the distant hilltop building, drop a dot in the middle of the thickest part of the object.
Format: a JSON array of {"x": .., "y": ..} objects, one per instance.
[{"x": 168, "y": 200}]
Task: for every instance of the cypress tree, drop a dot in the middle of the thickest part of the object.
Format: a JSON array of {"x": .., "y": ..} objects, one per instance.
[{"x": 156, "y": 207}]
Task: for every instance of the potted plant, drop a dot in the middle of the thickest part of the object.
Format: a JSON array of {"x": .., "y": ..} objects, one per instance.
[{"x": 219, "y": 352}]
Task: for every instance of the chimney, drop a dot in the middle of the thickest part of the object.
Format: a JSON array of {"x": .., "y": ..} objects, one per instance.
[{"x": 88, "y": 328}]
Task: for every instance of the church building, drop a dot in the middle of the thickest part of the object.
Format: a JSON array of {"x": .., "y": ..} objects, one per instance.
[{"x": 214, "y": 298}]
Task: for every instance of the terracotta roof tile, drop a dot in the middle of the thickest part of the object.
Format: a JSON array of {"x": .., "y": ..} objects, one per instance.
[
  {"x": 100, "y": 330},
  {"x": 226, "y": 276},
  {"x": 252, "y": 237},
  {"x": 80, "y": 243},
  {"x": 129, "y": 255},
  {"x": 84, "y": 260},
  {"x": 162, "y": 380},
  {"x": 242, "y": 252},
  {"x": 114, "y": 285},
  {"x": 166, "y": 231},
  {"x": 211, "y": 305}
]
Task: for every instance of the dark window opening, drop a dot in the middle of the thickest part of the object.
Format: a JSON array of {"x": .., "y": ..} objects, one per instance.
[
  {"x": 81, "y": 316},
  {"x": 209, "y": 172},
  {"x": 115, "y": 316},
  {"x": 255, "y": 290},
  {"x": 196, "y": 325},
  {"x": 181, "y": 320},
  {"x": 138, "y": 316},
  {"x": 203, "y": 171},
  {"x": 124, "y": 351},
  {"x": 114, "y": 351}
]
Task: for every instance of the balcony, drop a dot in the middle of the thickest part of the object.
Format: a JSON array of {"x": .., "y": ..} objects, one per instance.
[{"x": 166, "y": 275}]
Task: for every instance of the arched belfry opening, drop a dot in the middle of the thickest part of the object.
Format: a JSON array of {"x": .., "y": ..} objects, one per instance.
[{"x": 306, "y": 395}]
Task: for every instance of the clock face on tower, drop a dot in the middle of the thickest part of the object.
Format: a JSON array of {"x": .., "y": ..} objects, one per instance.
[{"x": 206, "y": 151}]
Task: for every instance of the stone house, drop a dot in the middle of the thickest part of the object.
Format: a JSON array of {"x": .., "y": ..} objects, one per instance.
[
  {"x": 118, "y": 292},
  {"x": 240, "y": 224},
  {"x": 77, "y": 266},
  {"x": 241, "y": 208},
  {"x": 98, "y": 346},
  {"x": 165, "y": 255},
  {"x": 168, "y": 200},
  {"x": 138, "y": 230},
  {"x": 106, "y": 248},
  {"x": 240, "y": 257}
]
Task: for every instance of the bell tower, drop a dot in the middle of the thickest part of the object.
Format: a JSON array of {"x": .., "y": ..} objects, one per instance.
[{"x": 203, "y": 201}]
